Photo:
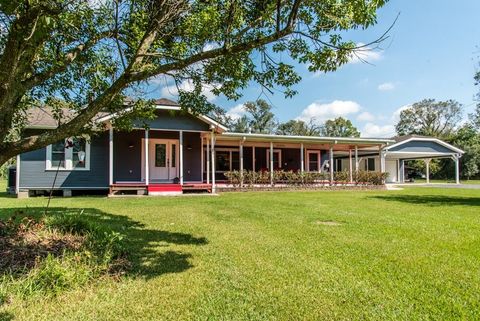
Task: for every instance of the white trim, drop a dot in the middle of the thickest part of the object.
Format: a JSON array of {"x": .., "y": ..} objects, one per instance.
[
  {"x": 201, "y": 157},
  {"x": 427, "y": 139},
  {"x": 172, "y": 130},
  {"x": 17, "y": 176},
  {"x": 319, "y": 154},
  {"x": 110, "y": 155},
  {"x": 208, "y": 160},
  {"x": 302, "y": 158},
  {"x": 203, "y": 118},
  {"x": 181, "y": 156},
  {"x": 147, "y": 166},
  {"x": 253, "y": 158},
  {"x": 212, "y": 142},
  {"x": 270, "y": 162},
  {"x": 68, "y": 165}
]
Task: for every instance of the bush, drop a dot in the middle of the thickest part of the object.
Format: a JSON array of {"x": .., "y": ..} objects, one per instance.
[
  {"x": 66, "y": 252},
  {"x": 296, "y": 178}
]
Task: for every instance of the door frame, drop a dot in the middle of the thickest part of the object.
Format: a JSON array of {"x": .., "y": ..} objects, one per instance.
[
  {"x": 151, "y": 163},
  {"x": 319, "y": 161}
]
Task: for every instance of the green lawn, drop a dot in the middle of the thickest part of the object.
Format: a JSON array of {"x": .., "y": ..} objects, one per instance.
[
  {"x": 412, "y": 254},
  {"x": 450, "y": 181}
]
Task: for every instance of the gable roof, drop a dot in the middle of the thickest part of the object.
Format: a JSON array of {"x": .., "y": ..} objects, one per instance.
[
  {"x": 43, "y": 117},
  {"x": 401, "y": 140}
]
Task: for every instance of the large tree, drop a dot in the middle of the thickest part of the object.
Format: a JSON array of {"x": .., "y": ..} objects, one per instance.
[
  {"x": 299, "y": 127},
  {"x": 340, "y": 127},
  {"x": 88, "y": 56},
  {"x": 430, "y": 118}
]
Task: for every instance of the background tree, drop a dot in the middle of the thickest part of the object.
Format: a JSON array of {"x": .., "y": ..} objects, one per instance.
[
  {"x": 430, "y": 118},
  {"x": 340, "y": 127},
  {"x": 468, "y": 139},
  {"x": 259, "y": 118},
  {"x": 87, "y": 56},
  {"x": 299, "y": 127}
]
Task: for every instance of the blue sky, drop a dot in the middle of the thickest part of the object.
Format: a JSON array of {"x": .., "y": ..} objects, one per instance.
[{"x": 433, "y": 52}]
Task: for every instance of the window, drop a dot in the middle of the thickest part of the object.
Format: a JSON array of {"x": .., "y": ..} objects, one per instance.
[
  {"x": 370, "y": 164},
  {"x": 226, "y": 159},
  {"x": 313, "y": 164},
  {"x": 160, "y": 155},
  {"x": 173, "y": 156},
  {"x": 277, "y": 158},
  {"x": 69, "y": 154},
  {"x": 339, "y": 165}
]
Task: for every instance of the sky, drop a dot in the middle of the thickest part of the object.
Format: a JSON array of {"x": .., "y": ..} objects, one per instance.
[{"x": 432, "y": 51}]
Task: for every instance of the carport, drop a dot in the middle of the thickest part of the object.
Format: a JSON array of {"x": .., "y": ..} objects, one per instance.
[{"x": 414, "y": 147}]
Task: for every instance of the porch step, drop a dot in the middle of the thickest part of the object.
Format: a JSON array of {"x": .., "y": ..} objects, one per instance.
[
  {"x": 155, "y": 188},
  {"x": 197, "y": 187}
]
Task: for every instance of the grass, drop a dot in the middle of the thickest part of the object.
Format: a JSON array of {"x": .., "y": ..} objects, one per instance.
[
  {"x": 412, "y": 254},
  {"x": 450, "y": 181}
]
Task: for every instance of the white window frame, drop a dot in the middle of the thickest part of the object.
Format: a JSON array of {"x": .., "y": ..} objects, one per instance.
[
  {"x": 319, "y": 160},
  {"x": 279, "y": 151},
  {"x": 366, "y": 164},
  {"x": 231, "y": 151},
  {"x": 68, "y": 165}
]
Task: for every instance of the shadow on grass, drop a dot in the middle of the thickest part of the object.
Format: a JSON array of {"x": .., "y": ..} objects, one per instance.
[
  {"x": 434, "y": 200},
  {"x": 143, "y": 245}
]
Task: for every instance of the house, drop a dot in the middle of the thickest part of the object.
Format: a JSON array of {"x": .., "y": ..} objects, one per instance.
[{"x": 182, "y": 151}]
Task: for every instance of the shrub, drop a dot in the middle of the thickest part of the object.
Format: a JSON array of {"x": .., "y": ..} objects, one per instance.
[{"x": 59, "y": 252}]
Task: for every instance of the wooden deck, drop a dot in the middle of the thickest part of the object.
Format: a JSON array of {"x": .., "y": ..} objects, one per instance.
[{"x": 140, "y": 188}]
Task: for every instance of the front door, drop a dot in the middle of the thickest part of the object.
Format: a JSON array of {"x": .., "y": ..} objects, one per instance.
[{"x": 163, "y": 160}]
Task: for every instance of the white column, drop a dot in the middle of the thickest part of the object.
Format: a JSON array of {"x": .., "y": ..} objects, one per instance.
[
  {"x": 302, "y": 161},
  {"x": 147, "y": 178},
  {"x": 212, "y": 138},
  {"x": 241, "y": 163},
  {"x": 402, "y": 171},
  {"x": 110, "y": 156},
  {"x": 271, "y": 163},
  {"x": 17, "y": 176},
  {"x": 350, "y": 165},
  {"x": 457, "y": 170},
  {"x": 181, "y": 157},
  {"x": 427, "y": 169},
  {"x": 356, "y": 159},
  {"x": 201, "y": 157},
  {"x": 331, "y": 163},
  {"x": 253, "y": 158},
  {"x": 382, "y": 160},
  {"x": 208, "y": 160}
]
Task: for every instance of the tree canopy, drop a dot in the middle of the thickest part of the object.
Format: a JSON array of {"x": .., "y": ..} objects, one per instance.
[
  {"x": 430, "y": 118},
  {"x": 340, "y": 127},
  {"x": 88, "y": 56},
  {"x": 300, "y": 128}
]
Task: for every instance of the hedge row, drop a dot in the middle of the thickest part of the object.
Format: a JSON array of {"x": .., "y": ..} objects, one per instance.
[{"x": 251, "y": 178}]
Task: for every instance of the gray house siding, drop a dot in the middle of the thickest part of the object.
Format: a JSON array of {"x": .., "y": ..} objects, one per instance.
[
  {"x": 33, "y": 174},
  {"x": 421, "y": 146},
  {"x": 174, "y": 120},
  {"x": 127, "y": 155},
  {"x": 192, "y": 170}
]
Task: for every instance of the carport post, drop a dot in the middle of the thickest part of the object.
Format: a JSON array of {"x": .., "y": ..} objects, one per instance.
[
  {"x": 427, "y": 169},
  {"x": 457, "y": 169}
]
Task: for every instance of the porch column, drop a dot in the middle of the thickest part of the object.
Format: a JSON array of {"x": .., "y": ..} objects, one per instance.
[
  {"x": 208, "y": 160},
  {"x": 457, "y": 169},
  {"x": 330, "y": 154},
  {"x": 402, "y": 171},
  {"x": 212, "y": 139},
  {"x": 427, "y": 169},
  {"x": 181, "y": 157},
  {"x": 271, "y": 163},
  {"x": 201, "y": 157},
  {"x": 356, "y": 159},
  {"x": 253, "y": 158},
  {"x": 382, "y": 160},
  {"x": 241, "y": 163},
  {"x": 110, "y": 155},
  {"x": 350, "y": 166},
  {"x": 302, "y": 161},
  {"x": 147, "y": 179}
]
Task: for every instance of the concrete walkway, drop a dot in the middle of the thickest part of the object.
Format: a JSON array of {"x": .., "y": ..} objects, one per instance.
[{"x": 437, "y": 185}]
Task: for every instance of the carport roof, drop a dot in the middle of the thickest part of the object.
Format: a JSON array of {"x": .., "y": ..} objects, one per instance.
[{"x": 415, "y": 147}]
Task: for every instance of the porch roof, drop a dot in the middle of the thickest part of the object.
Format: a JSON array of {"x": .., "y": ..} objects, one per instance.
[{"x": 306, "y": 139}]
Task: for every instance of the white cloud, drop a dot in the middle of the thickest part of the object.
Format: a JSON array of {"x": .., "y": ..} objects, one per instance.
[
  {"x": 373, "y": 130},
  {"x": 237, "y": 112},
  {"x": 320, "y": 112},
  {"x": 365, "y": 116},
  {"x": 171, "y": 91},
  {"x": 386, "y": 86},
  {"x": 396, "y": 113},
  {"x": 365, "y": 54}
]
